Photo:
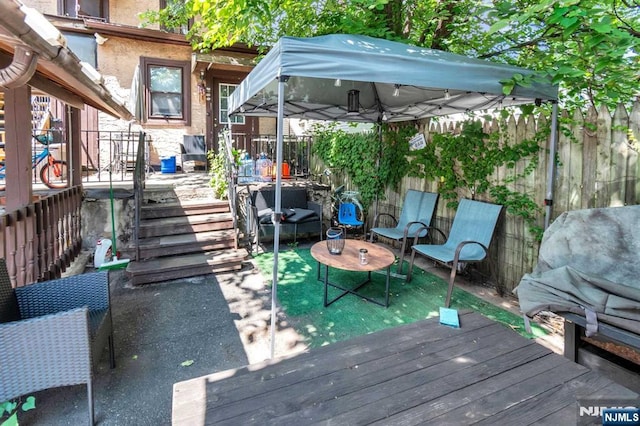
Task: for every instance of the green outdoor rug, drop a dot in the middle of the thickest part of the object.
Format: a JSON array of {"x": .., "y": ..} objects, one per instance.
[{"x": 301, "y": 296}]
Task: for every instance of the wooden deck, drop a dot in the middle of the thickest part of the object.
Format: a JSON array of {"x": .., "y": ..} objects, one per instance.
[{"x": 418, "y": 373}]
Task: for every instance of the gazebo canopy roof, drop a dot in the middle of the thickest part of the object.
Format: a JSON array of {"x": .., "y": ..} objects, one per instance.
[{"x": 396, "y": 81}]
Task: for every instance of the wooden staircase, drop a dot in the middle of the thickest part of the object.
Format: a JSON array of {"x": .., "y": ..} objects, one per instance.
[{"x": 180, "y": 239}]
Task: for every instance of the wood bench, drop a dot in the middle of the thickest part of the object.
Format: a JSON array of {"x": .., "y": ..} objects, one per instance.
[{"x": 574, "y": 331}]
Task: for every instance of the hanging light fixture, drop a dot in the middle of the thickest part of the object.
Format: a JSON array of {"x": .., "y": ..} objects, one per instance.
[
  {"x": 396, "y": 90},
  {"x": 353, "y": 102}
]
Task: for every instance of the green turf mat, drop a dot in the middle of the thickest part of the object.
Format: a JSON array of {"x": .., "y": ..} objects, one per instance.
[{"x": 301, "y": 296}]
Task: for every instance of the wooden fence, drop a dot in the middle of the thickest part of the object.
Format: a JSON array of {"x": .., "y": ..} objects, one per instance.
[{"x": 597, "y": 166}]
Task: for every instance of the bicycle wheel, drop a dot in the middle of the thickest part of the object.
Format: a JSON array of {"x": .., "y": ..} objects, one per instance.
[{"x": 54, "y": 174}]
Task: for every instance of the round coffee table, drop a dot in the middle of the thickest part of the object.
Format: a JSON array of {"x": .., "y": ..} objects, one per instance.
[{"x": 349, "y": 260}]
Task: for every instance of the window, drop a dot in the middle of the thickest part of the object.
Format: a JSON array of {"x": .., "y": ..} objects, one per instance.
[
  {"x": 168, "y": 94},
  {"x": 225, "y": 90},
  {"x": 84, "y": 46},
  {"x": 77, "y": 8}
]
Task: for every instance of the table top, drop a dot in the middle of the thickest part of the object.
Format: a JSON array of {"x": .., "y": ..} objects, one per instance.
[{"x": 380, "y": 257}]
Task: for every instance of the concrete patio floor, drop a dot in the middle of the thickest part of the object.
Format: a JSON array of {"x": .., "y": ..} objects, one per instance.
[{"x": 177, "y": 330}]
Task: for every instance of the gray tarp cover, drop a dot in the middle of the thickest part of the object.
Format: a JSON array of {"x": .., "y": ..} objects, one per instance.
[{"x": 589, "y": 259}]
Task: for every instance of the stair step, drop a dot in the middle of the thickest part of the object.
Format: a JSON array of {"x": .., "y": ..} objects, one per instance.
[
  {"x": 184, "y": 208},
  {"x": 185, "y": 224},
  {"x": 168, "y": 268},
  {"x": 171, "y": 245}
]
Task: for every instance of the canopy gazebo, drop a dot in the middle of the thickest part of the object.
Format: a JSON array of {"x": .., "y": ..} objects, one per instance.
[{"x": 362, "y": 79}]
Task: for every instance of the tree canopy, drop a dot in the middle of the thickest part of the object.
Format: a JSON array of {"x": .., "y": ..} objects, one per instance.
[{"x": 589, "y": 47}]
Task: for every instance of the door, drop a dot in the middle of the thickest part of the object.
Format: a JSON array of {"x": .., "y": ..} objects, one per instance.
[{"x": 243, "y": 128}]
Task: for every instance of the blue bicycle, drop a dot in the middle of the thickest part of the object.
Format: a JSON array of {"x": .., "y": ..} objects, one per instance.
[{"x": 54, "y": 173}]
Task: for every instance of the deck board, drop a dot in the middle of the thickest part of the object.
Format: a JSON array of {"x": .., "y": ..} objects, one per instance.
[{"x": 416, "y": 373}]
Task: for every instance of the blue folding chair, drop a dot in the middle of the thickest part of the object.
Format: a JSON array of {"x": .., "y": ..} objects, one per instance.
[
  {"x": 471, "y": 233},
  {"x": 417, "y": 211},
  {"x": 348, "y": 216}
]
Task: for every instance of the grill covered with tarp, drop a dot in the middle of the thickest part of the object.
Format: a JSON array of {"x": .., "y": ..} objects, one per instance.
[{"x": 589, "y": 264}]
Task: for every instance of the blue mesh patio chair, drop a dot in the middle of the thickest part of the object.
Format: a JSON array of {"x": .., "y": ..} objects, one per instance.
[
  {"x": 417, "y": 211},
  {"x": 348, "y": 216},
  {"x": 52, "y": 333},
  {"x": 471, "y": 233}
]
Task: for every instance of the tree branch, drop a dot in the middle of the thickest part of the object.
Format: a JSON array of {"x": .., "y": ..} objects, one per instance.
[{"x": 628, "y": 27}]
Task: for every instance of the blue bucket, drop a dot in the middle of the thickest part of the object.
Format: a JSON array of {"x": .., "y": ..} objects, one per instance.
[{"x": 168, "y": 164}]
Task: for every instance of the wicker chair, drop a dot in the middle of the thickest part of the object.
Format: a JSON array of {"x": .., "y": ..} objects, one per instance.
[{"x": 53, "y": 333}]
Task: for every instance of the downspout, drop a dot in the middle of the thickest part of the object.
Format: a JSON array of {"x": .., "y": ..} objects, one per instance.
[{"x": 21, "y": 69}]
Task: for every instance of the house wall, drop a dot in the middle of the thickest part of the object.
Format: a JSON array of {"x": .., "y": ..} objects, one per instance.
[
  {"x": 43, "y": 6},
  {"x": 126, "y": 12},
  {"x": 117, "y": 58}
]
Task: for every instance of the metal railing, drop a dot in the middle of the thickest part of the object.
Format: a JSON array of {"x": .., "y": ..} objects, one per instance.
[
  {"x": 140, "y": 173},
  {"x": 115, "y": 151},
  {"x": 296, "y": 150}
]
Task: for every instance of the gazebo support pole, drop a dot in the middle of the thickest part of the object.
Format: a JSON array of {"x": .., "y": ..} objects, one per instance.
[
  {"x": 551, "y": 166},
  {"x": 277, "y": 215}
]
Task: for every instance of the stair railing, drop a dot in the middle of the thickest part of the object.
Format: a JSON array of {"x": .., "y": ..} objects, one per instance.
[{"x": 139, "y": 175}]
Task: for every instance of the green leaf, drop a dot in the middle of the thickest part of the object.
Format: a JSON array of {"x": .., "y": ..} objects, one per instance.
[
  {"x": 187, "y": 363},
  {"x": 498, "y": 26},
  {"x": 8, "y": 407},
  {"x": 11, "y": 421},
  {"x": 507, "y": 88},
  {"x": 29, "y": 404}
]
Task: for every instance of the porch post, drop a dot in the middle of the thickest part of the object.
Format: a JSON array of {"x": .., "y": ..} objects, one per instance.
[
  {"x": 74, "y": 148},
  {"x": 17, "y": 107}
]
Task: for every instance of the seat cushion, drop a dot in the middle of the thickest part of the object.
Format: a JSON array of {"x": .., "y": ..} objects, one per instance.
[
  {"x": 265, "y": 214},
  {"x": 301, "y": 215},
  {"x": 291, "y": 198}
]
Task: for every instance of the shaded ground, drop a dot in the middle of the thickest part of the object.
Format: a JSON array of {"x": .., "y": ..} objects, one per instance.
[{"x": 157, "y": 328}]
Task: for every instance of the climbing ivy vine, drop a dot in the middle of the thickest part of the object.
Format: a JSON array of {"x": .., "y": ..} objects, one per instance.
[
  {"x": 373, "y": 163},
  {"x": 463, "y": 164}
]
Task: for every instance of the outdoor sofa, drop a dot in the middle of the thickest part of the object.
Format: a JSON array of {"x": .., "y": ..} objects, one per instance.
[{"x": 300, "y": 216}]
